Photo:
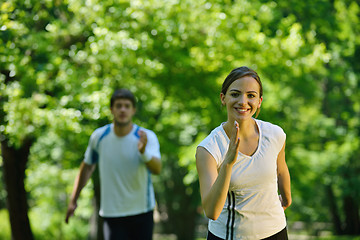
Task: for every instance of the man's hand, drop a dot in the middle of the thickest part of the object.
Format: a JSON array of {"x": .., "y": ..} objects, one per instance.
[
  {"x": 70, "y": 211},
  {"x": 142, "y": 141}
]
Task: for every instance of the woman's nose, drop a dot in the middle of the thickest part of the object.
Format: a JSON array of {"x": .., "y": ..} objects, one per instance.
[{"x": 242, "y": 99}]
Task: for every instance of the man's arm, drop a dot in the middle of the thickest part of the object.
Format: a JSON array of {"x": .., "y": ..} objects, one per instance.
[
  {"x": 82, "y": 178},
  {"x": 152, "y": 163}
]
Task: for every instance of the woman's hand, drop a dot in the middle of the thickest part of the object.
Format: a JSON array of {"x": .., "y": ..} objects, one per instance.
[
  {"x": 234, "y": 146},
  {"x": 284, "y": 204}
]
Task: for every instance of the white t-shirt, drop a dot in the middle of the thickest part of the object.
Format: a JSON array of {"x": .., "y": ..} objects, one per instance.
[
  {"x": 252, "y": 209},
  {"x": 125, "y": 182}
]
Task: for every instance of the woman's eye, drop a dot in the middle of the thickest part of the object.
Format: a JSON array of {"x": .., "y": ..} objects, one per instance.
[
  {"x": 251, "y": 95},
  {"x": 234, "y": 94}
]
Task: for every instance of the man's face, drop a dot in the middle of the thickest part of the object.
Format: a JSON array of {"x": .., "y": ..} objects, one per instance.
[{"x": 123, "y": 111}]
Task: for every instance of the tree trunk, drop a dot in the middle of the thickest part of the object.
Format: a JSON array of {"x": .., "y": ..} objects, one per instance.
[
  {"x": 15, "y": 161},
  {"x": 181, "y": 206},
  {"x": 351, "y": 210},
  {"x": 334, "y": 210}
]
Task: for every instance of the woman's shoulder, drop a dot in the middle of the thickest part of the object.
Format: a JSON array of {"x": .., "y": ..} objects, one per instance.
[
  {"x": 216, "y": 143},
  {"x": 268, "y": 125},
  {"x": 270, "y": 128},
  {"x": 272, "y": 133},
  {"x": 215, "y": 138}
]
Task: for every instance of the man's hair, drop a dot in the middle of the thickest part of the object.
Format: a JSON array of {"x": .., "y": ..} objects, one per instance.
[{"x": 123, "y": 94}]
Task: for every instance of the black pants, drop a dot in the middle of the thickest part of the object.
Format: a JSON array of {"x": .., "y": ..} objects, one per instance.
[
  {"x": 138, "y": 227},
  {"x": 282, "y": 235}
]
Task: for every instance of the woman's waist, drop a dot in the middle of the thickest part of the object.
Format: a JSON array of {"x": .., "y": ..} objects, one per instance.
[{"x": 255, "y": 199}]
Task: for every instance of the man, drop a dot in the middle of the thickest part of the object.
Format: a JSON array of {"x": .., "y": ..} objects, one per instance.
[{"x": 127, "y": 155}]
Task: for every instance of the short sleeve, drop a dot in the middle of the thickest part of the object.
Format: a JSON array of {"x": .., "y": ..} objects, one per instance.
[
  {"x": 210, "y": 148},
  {"x": 216, "y": 146},
  {"x": 153, "y": 146},
  {"x": 91, "y": 153},
  {"x": 281, "y": 138}
]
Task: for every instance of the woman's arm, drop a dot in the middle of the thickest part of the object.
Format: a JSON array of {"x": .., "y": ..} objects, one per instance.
[
  {"x": 214, "y": 185},
  {"x": 283, "y": 179}
]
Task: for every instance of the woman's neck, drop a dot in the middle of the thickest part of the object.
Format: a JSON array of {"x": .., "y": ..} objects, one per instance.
[{"x": 246, "y": 128}]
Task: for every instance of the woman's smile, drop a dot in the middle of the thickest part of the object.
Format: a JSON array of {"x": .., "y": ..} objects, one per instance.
[
  {"x": 242, "y": 110},
  {"x": 242, "y": 98}
]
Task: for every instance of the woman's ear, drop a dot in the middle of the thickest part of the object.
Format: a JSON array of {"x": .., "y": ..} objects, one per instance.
[
  {"x": 261, "y": 99},
  {"x": 222, "y": 98}
]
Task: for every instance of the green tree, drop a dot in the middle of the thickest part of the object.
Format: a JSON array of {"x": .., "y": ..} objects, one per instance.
[
  {"x": 329, "y": 122},
  {"x": 61, "y": 60}
]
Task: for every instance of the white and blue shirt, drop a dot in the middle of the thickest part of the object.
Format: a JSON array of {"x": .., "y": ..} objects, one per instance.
[
  {"x": 125, "y": 182},
  {"x": 252, "y": 209}
]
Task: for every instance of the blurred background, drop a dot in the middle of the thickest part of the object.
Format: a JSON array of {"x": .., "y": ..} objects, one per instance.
[{"x": 61, "y": 60}]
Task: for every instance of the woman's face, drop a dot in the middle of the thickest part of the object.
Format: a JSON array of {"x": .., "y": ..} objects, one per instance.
[{"x": 242, "y": 99}]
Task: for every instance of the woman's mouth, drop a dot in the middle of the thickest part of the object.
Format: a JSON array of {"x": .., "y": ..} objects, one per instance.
[{"x": 242, "y": 110}]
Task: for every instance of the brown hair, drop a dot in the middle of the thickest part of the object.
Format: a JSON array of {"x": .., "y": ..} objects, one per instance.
[{"x": 123, "y": 94}]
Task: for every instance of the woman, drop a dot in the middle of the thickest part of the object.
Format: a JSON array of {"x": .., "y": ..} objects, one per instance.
[{"x": 241, "y": 167}]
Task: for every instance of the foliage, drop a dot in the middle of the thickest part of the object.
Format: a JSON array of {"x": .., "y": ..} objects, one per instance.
[
  {"x": 5, "y": 232},
  {"x": 47, "y": 202},
  {"x": 61, "y": 60},
  {"x": 339, "y": 238}
]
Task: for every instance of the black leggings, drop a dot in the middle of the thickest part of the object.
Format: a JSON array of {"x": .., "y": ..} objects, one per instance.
[
  {"x": 138, "y": 227},
  {"x": 282, "y": 235}
]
